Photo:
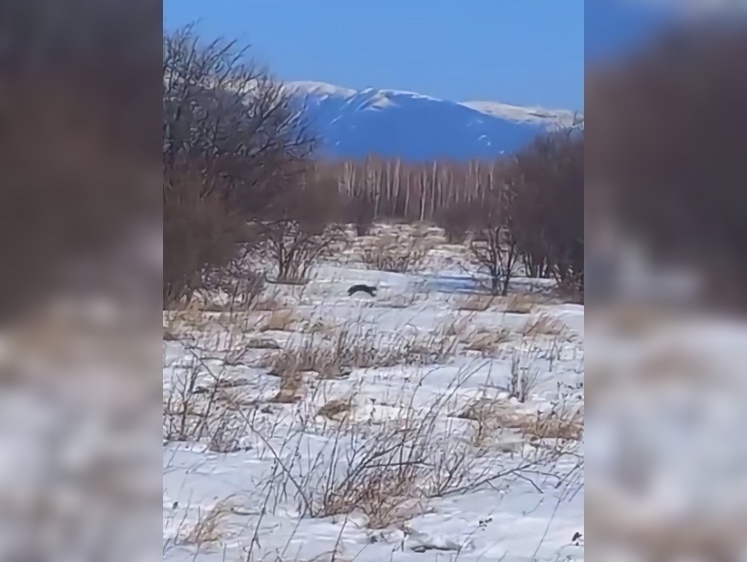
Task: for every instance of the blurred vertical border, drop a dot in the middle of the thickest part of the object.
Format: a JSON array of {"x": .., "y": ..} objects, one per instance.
[
  {"x": 80, "y": 142},
  {"x": 666, "y": 218}
]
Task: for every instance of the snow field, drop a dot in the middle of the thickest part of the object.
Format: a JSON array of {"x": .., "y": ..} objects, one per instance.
[{"x": 423, "y": 424}]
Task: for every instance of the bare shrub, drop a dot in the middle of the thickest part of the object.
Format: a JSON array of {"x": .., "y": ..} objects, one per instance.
[
  {"x": 189, "y": 410},
  {"x": 294, "y": 248},
  {"x": 229, "y": 132},
  {"x": 394, "y": 255},
  {"x": 493, "y": 246},
  {"x": 239, "y": 286},
  {"x": 302, "y": 230},
  {"x": 545, "y": 183},
  {"x": 201, "y": 233},
  {"x": 387, "y": 475}
]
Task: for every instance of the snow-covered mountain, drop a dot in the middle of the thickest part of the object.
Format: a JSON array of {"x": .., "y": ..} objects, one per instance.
[{"x": 390, "y": 123}]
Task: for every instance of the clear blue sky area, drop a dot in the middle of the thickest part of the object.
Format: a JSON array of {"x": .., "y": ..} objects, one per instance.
[{"x": 526, "y": 52}]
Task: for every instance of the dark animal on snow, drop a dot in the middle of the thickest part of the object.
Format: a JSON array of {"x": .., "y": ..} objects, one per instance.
[{"x": 362, "y": 289}]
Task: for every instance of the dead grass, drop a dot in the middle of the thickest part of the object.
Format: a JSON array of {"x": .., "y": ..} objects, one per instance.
[
  {"x": 207, "y": 529},
  {"x": 182, "y": 320},
  {"x": 381, "y": 479},
  {"x": 476, "y": 303},
  {"x": 493, "y": 415},
  {"x": 358, "y": 347},
  {"x": 487, "y": 341},
  {"x": 523, "y": 378},
  {"x": 267, "y": 304},
  {"x": 551, "y": 426},
  {"x": 544, "y": 325},
  {"x": 457, "y": 326},
  {"x": 336, "y": 409},
  {"x": 291, "y": 388},
  {"x": 395, "y": 254},
  {"x": 280, "y": 320},
  {"x": 519, "y": 304}
]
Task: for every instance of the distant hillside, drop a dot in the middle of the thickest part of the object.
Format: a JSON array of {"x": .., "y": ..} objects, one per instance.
[{"x": 414, "y": 127}]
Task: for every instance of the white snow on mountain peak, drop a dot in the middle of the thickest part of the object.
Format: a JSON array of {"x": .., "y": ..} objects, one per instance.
[
  {"x": 520, "y": 113},
  {"x": 397, "y": 123},
  {"x": 320, "y": 89}
]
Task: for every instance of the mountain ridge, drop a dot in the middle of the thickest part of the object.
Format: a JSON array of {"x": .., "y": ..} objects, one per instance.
[{"x": 413, "y": 126}]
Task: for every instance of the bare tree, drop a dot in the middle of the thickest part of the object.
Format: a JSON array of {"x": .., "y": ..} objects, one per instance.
[
  {"x": 237, "y": 135},
  {"x": 301, "y": 227},
  {"x": 546, "y": 206},
  {"x": 493, "y": 246},
  {"x": 228, "y": 114}
]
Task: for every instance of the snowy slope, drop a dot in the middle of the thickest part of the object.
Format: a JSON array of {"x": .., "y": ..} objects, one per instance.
[{"x": 413, "y": 126}]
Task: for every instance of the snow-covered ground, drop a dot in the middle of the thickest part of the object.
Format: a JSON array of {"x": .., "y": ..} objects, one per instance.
[{"x": 422, "y": 424}]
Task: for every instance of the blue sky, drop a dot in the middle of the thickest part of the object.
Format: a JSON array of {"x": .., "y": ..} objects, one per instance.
[{"x": 527, "y": 52}]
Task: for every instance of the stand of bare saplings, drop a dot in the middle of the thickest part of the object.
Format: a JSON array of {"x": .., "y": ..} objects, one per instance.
[{"x": 242, "y": 186}]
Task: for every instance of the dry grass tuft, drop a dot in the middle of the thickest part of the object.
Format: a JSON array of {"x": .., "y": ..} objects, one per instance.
[
  {"x": 207, "y": 529},
  {"x": 184, "y": 320},
  {"x": 523, "y": 379},
  {"x": 395, "y": 255},
  {"x": 268, "y": 304},
  {"x": 487, "y": 341},
  {"x": 476, "y": 303},
  {"x": 336, "y": 409},
  {"x": 457, "y": 326},
  {"x": 279, "y": 321},
  {"x": 355, "y": 347},
  {"x": 291, "y": 388},
  {"x": 550, "y": 426},
  {"x": 492, "y": 415},
  {"x": 544, "y": 325},
  {"x": 520, "y": 304}
]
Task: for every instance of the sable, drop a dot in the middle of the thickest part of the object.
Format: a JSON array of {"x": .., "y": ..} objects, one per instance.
[{"x": 362, "y": 289}]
